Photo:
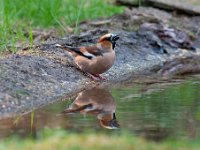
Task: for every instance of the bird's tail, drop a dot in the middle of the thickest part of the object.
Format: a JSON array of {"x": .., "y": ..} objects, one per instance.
[
  {"x": 65, "y": 47},
  {"x": 69, "y": 49}
]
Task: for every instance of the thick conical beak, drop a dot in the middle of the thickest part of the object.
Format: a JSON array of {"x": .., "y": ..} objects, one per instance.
[
  {"x": 115, "y": 37},
  {"x": 110, "y": 124}
]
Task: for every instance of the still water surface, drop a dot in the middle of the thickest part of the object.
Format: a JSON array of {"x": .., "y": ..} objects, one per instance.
[{"x": 155, "y": 111}]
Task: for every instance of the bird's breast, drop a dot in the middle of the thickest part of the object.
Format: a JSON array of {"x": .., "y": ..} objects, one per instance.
[
  {"x": 96, "y": 65},
  {"x": 102, "y": 63}
]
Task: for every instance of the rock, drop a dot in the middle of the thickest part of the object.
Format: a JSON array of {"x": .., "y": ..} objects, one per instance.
[{"x": 181, "y": 66}]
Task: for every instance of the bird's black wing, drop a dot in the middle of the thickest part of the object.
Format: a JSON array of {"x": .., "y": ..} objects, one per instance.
[
  {"x": 94, "y": 50},
  {"x": 88, "y": 52}
]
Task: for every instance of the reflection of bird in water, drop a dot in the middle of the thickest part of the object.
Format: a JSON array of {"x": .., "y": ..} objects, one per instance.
[{"x": 98, "y": 102}]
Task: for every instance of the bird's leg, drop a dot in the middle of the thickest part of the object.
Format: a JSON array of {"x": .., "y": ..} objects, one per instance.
[
  {"x": 100, "y": 77},
  {"x": 92, "y": 76}
]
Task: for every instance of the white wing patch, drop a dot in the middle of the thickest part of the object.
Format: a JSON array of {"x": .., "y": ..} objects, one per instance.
[
  {"x": 58, "y": 45},
  {"x": 89, "y": 54}
]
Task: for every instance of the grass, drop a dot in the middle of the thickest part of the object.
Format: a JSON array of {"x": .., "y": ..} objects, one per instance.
[
  {"x": 19, "y": 17},
  {"x": 59, "y": 139}
]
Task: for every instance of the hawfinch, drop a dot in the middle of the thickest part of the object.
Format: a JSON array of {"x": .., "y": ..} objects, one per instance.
[
  {"x": 97, "y": 59},
  {"x": 98, "y": 102}
]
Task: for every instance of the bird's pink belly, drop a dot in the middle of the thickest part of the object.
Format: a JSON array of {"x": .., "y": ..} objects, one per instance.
[
  {"x": 99, "y": 69},
  {"x": 96, "y": 66}
]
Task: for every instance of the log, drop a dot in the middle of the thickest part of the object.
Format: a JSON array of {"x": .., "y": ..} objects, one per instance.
[
  {"x": 179, "y": 6},
  {"x": 183, "y": 7},
  {"x": 135, "y": 3}
]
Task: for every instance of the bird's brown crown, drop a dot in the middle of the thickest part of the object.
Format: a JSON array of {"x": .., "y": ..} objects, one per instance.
[
  {"x": 105, "y": 37},
  {"x": 108, "y": 40}
]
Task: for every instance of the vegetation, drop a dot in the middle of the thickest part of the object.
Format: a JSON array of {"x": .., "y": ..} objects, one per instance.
[
  {"x": 18, "y": 18},
  {"x": 60, "y": 139}
]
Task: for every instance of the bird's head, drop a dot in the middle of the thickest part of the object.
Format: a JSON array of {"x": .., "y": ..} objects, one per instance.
[
  {"x": 109, "y": 40},
  {"x": 108, "y": 121}
]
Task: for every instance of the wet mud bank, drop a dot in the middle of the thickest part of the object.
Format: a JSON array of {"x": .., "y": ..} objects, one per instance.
[{"x": 150, "y": 41}]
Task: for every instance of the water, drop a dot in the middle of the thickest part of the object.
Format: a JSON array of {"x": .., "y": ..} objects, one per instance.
[{"x": 155, "y": 111}]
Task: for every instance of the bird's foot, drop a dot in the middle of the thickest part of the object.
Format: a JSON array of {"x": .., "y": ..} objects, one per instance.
[
  {"x": 92, "y": 76},
  {"x": 95, "y": 77},
  {"x": 100, "y": 77}
]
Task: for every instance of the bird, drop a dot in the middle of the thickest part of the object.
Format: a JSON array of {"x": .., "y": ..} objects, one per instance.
[
  {"x": 96, "y": 101},
  {"x": 96, "y": 59}
]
